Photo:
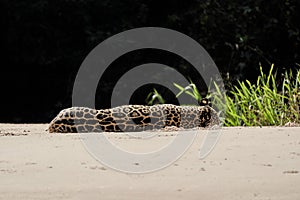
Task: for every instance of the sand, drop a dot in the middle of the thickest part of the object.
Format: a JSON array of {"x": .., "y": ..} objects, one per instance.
[{"x": 246, "y": 163}]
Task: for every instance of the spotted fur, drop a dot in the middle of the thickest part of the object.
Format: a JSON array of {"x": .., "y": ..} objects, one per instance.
[{"x": 133, "y": 118}]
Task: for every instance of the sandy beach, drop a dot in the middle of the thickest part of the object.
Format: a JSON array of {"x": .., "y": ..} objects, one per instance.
[{"x": 247, "y": 163}]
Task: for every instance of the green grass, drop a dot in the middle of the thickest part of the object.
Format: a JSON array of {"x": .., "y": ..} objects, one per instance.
[
  {"x": 154, "y": 98},
  {"x": 263, "y": 103}
]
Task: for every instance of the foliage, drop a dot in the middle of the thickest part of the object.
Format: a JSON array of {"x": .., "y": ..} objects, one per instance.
[
  {"x": 44, "y": 42},
  {"x": 154, "y": 98},
  {"x": 190, "y": 90},
  {"x": 264, "y": 103}
]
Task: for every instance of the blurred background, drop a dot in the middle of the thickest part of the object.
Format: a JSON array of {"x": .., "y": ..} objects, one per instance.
[{"x": 44, "y": 43}]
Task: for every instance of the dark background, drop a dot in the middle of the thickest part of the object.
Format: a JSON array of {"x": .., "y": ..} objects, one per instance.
[{"x": 44, "y": 42}]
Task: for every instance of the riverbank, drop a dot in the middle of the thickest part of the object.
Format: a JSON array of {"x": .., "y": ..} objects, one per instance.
[{"x": 247, "y": 163}]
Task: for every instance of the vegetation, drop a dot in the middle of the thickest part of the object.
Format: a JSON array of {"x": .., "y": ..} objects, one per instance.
[
  {"x": 155, "y": 98},
  {"x": 263, "y": 103},
  {"x": 44, "y": 43}
]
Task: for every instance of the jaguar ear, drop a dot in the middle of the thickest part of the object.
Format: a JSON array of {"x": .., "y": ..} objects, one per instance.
[{"x": 205, "y": 102}]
